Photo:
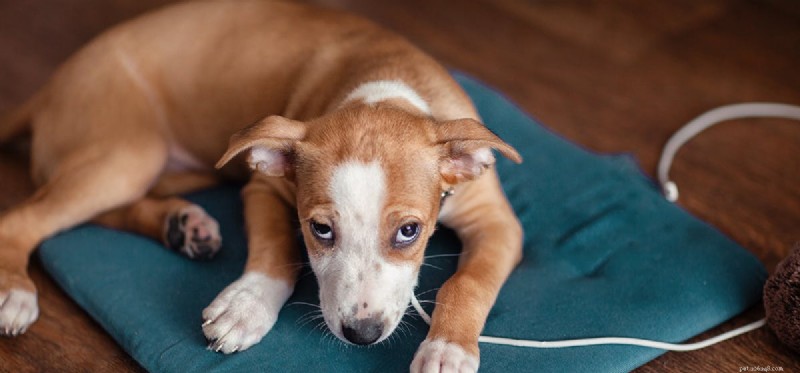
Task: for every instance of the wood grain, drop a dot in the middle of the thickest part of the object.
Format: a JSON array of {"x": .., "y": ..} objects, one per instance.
[{"x": 614, "y": 76}]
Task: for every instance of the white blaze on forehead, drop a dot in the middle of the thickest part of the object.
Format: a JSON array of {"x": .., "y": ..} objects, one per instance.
[
  {"x": 356, "y": 281},
  {"x": 358, "y": 191},
  {"x": 381, "y": 90}
]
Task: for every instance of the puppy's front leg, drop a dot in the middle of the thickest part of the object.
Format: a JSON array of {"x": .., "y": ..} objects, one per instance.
[
  {"x": 492, "y": 239},
  {"x": 247, "y": 309}
]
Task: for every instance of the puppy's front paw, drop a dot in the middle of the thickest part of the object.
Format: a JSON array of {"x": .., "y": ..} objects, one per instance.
[
  {"x": 192, "y": 232},
  {"x": 18, "y": 310},
  {"x": 438, "y": 355},
  {"x": 244, "y": 312}
]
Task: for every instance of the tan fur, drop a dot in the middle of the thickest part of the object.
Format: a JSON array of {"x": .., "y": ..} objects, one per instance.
[
  {"x": 271, "y": 240},
  {"x": 147, "y": 108},
  {"x": 145, "y": 216}
]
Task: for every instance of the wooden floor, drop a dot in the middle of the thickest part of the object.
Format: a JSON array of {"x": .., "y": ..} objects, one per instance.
[{"x": 614, "y": 76}]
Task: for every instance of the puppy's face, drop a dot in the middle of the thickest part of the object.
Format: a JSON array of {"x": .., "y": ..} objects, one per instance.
[
  {"x": 368, "y": 190},
  {"x": 368, "y": 185}
]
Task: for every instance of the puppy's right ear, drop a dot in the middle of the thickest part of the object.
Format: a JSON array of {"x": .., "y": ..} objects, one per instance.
[{"x": 271, "y": 143}]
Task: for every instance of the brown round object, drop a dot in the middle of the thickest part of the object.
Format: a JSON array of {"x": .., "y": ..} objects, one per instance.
[{"x": 782, "y": 300}]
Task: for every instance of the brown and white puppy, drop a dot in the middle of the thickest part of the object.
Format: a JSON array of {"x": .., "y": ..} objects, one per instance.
[{"x": 356, "y": 132}]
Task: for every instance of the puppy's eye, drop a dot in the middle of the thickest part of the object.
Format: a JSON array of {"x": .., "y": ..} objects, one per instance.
[
  {"x": 406, "y": 235},
  {"x": 322, "y": 231}
]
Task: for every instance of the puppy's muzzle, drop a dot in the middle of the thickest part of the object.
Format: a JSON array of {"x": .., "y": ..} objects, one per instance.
[{"x": 363, "y": 331}]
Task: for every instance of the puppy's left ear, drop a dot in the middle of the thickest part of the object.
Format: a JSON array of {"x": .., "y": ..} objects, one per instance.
[
  {"x": 467, "y": 146},
  {"x": 271, "y": 142}
]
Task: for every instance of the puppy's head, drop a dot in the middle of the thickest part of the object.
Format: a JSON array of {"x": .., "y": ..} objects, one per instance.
[{"x": 368, "y": 182}]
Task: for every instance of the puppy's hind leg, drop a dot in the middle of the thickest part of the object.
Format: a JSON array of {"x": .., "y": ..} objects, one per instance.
[
  {"x": 179, "y": 224},
  {"x": 82, "y": 186}
]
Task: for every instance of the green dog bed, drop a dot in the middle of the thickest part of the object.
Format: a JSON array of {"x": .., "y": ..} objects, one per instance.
[{"x": 605, "y": 255}]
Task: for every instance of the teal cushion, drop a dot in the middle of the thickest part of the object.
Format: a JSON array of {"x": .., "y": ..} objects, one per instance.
[{"x": 605, "y": 255}]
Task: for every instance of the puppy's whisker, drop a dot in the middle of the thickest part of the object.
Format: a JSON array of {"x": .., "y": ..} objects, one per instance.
[
  {"x": 432, "y": 266},
  {"x": 330, "y": 338},
  {"x": 408, "y": 325},
  {"x": 303, "y": 323},
  {"x": 324, "y": 338},
  {"x": 309, "y": 313},
  {"x": 315, "y": 318},
  {"x": 439, "y": 256},
  {"x": 412, "y": 315},
  {"x": 403, "y": 328},
  {"x": 327, "y": 336},
  {"x": 426, "y": 292},
  {"x": 314, "y": 315},
  {"x": 321, "y": 326},
  {"x": 304, "y": 304}
]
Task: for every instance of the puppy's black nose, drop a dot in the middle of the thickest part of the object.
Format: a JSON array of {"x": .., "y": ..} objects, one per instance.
[{"x": 363, "y": 331}]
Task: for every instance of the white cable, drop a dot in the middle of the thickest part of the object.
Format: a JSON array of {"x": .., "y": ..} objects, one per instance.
[
  {"x": 605, "y": 340},
  {"x": 670, "y": 190},
  {"x": 708, "y": 119},
  {"x": 625, "y": 341},
  {"x": 424, "y": 315}
]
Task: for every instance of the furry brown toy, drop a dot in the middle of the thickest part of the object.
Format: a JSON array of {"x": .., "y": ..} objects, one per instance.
[{"x": 782, "y": 300}]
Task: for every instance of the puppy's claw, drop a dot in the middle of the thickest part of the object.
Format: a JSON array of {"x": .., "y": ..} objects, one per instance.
[
  {"x": 219, "y": 347},
  {"x": 207, "y": 322},
  {"x": 214, "y": 345},
  {"x": 235, "y": 349}
]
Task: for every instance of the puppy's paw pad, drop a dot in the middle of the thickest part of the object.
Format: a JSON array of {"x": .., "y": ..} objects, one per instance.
[
  {"x": 243, "y": 313},
  {"x": 192, "y": 232},
  {"x": 434, "y": 356},
  {"x": 18, "y": 310}
]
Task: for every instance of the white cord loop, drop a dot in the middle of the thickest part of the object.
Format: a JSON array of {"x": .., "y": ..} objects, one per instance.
[
  {"x": 708, "y": 119},
  {"x": 670, "y": 190}
]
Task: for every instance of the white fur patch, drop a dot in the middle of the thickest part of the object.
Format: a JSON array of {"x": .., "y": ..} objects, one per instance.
[
  {"x": 358, "y": 191},
  {"x": 356, "y": 281},
  {"x": 440, "y": 356},
  {"x": 377, "y": 91},
  {"x": 244, "y": 312},
  {"x": 483, "y": 156},
  {"x": 18, "y": 310}
]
